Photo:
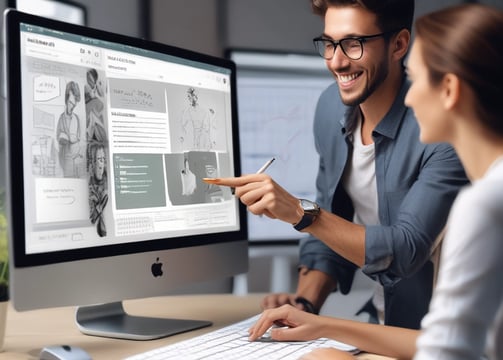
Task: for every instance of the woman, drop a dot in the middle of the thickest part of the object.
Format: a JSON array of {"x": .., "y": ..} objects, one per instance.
[{"x": 457, "y": 95}]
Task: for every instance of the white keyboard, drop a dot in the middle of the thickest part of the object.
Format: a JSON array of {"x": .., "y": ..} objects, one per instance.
[{"x": 232, "y": 343}]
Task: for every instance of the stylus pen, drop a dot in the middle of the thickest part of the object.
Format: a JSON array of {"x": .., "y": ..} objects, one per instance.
[{"x": 265, "y": 166}]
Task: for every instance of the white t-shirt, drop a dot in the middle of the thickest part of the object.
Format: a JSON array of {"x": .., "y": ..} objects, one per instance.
[
  {"x": 466, "y": 311},
  {"x": 360, "y": 183}
]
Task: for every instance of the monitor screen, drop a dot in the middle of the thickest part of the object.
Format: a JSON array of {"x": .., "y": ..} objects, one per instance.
[
  {"x": 108, "y": 139},
  {"x": 278, "y": 93}
]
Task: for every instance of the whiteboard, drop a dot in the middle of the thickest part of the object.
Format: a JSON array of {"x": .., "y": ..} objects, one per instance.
[{"x": 277, "y": 96}]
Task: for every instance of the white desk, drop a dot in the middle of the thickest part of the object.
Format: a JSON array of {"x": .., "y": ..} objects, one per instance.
[{"x": 27, "y": 332}]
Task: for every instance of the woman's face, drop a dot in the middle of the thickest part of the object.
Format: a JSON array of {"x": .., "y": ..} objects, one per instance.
[{"x": 425, "y": 99}]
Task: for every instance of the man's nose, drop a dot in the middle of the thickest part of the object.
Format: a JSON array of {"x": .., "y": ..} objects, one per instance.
[{"x": 339, "y": 60}]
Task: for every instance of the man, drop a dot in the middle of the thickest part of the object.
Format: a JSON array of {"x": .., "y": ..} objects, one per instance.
[{"x": 382, "y": 196}]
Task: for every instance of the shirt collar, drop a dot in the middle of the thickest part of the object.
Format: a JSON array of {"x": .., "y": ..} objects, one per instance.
[{"x": 391, "y": 122}]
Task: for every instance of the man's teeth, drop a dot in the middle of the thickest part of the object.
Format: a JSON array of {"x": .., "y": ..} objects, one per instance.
[{"x": 346, "y": 78}]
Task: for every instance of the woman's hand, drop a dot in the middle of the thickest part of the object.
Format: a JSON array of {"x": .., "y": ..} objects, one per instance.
[{"x": 296, "y": 325}]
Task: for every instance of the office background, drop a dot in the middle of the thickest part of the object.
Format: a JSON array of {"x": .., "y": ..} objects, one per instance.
[{"x": 213, "y": 27}]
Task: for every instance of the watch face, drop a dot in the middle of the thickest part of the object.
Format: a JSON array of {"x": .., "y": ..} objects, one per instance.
[{"x": 309, "y": 207}]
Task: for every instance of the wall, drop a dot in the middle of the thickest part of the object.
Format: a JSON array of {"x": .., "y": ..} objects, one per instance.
[
  {"x": 212, "y": 26},
  {"x": 120, "y": 16},
  {"x": 195, "y": 24}
]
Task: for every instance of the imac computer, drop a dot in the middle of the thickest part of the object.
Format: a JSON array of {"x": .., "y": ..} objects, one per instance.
[{"x": 108, "y": 139}]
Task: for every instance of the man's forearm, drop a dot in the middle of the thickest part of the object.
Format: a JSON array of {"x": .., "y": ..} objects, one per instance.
[{"x": 314, "y": 286}]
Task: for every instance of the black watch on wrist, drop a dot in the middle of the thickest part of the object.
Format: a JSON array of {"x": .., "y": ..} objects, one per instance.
[
  {"x": 311, "y": 210},
  {"x": 306, "y": 304}
]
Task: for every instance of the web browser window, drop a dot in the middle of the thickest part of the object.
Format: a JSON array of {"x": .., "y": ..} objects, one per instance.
[{"x": 120, "y": 139}]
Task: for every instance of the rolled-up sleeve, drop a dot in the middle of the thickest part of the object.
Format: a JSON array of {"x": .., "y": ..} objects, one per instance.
[{"x": 314, "y": 254}]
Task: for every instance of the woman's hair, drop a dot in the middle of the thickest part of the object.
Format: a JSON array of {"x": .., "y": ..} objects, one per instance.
[
  {"x": 392, "y": 15},
  {"x": 467, "y": 40}
]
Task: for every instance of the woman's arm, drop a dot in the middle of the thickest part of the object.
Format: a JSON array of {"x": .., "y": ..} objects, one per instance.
[{"x": 378, "y": 339}]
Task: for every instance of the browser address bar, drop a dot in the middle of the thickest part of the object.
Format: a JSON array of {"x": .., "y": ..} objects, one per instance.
[{"x": 54, "y": 54}]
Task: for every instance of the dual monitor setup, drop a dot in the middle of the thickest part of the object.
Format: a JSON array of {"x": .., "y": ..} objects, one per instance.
[{"x": 108, "y": 138}]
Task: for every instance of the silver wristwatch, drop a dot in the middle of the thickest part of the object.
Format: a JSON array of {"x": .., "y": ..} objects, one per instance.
[{"x": 311, "y": 210}]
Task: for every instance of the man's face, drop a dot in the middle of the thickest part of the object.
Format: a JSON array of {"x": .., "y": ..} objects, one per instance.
[{"x": 357, "y": 79}]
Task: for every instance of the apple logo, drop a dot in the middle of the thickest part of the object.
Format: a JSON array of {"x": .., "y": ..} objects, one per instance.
[{"x": 156, "y": 268}]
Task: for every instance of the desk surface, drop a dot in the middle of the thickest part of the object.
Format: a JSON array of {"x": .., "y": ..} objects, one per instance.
[{"x": 27, "y": 332}]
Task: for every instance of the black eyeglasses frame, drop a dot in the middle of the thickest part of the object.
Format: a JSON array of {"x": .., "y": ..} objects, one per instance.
[{"x": 361, "y": 40}]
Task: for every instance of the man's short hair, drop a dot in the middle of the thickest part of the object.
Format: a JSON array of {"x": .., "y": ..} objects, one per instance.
[{"x": 392, "y": 15}]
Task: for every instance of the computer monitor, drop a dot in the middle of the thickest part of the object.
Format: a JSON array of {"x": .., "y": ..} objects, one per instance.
[
  {"x": 108, "y": 139},
  {"x": 278, "y": 93}
]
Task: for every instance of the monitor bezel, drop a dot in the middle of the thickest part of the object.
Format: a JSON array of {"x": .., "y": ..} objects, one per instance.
[{"x": 14, "y": 146}]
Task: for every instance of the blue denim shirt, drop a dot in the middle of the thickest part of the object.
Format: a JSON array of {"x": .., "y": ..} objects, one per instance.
[{"x": 416, "y": 186}]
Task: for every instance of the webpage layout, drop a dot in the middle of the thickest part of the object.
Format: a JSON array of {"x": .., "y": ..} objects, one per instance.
[{"x": 116, "y": 142}]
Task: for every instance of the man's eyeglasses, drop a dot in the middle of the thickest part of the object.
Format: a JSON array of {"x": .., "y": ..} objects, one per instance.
[{"x": 352, "y": 47}]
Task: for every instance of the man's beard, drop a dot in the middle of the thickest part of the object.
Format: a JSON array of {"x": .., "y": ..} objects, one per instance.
[{"x": 372, "y": 86}]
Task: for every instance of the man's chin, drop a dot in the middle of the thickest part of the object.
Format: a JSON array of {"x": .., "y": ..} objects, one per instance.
[{"x": 352, "y": 100}]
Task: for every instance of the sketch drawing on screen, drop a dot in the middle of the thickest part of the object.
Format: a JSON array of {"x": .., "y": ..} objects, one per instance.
[
  {"x": 100, "y": 183},
  {"x": 196, "y": 123}
]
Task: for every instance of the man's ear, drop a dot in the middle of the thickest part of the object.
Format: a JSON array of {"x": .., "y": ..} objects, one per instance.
[
  {"x": 450, "y": 90},
  {"x": 400, "y": 44}
]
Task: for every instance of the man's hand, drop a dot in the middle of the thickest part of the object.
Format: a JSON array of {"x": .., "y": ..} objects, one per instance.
[
  {"x": 263, "y": 196},
  {"x": 276, "y": 300}
]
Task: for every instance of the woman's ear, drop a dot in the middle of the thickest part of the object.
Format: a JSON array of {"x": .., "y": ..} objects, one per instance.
[
  {"x": 400, "y": 44},
  {"x": 450, "y": 90}
]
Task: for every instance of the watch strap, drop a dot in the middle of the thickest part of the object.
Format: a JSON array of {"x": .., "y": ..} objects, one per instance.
[
  {"x": 308, "y": 305},
  {"x": 306, "y": 220}
]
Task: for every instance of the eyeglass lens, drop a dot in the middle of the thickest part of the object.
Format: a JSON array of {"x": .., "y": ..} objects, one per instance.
[{"x": 352, "y": 48}]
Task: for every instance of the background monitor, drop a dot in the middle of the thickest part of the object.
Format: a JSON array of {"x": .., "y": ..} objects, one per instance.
[
  {"x": 278, "y": 93},
  {"x": 108, "y": 138}
]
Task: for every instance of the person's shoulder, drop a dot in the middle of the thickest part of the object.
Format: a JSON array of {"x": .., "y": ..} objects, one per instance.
[
  {"x": 331, "y": 97},
  {"x": 485, "y": 194},
  {"x": 490, "y": 183},
  {"x": 330, "y": 108}
]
